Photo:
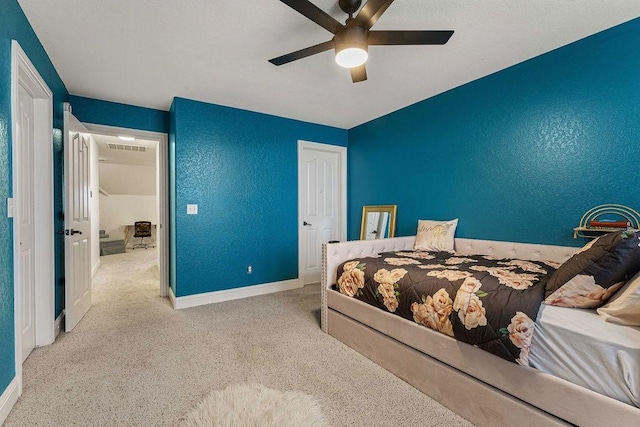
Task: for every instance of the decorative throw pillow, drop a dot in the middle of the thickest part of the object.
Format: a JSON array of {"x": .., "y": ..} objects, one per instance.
[
  {"x": 624, "y": 307},
  {"x": 435, "y": 235},
  {"x": 591, "y": 276},
  {"x": 589, "y": 244}
]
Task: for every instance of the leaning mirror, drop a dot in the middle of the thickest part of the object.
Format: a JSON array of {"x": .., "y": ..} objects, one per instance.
[{"x": 378, "y": 222}]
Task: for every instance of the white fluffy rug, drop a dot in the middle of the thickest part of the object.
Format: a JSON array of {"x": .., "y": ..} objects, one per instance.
[{"x": 255, "y": 405}]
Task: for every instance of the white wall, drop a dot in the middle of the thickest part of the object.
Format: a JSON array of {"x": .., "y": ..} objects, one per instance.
[
  {"x": 94, "y": 184},
  {"x": 116, "y": 211},
  {"x": 131, "y": 196},
  {"x": 128, "y": 179}
]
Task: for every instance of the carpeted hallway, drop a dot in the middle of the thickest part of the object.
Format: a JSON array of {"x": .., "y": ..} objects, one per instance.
[{"x": 133, "y": 360}]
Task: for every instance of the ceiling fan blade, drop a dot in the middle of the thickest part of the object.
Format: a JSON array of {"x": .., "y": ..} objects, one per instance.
[
  {"x": 358, "y": 74},
  {"x": 317, "y": 15},
  {"x": 408, "y": 37},
  {"x": 302, "y": 53},
  {"x": 371, "y": 12}
]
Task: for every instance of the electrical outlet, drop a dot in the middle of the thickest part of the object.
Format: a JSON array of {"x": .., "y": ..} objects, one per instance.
[
  {"x": 249, "y": 269},
  {"x": 192, "y": 209}
]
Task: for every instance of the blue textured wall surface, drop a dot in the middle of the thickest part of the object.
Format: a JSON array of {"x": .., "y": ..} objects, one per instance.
[
  {"x": 95, "y": 111},
  {"x": 519, "y": 155},
  {"x": 14, "y": 25},
  {"x": 240, "y": 167}
]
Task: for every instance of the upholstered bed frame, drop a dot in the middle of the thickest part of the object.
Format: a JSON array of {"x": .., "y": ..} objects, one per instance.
[{"x": 481, "y": 387}]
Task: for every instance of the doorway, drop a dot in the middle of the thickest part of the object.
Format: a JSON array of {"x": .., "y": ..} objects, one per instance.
[
  {"x": 322, "y": 204},
  {"x": 129, "y": 183}
]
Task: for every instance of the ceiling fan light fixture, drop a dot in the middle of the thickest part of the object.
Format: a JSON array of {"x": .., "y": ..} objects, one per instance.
[
  {"x": 351, "y": 46},
  {"x": 351, "y": 57}
]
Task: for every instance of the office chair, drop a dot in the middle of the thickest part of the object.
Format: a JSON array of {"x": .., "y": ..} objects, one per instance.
[{"x": 141, "y": 229}]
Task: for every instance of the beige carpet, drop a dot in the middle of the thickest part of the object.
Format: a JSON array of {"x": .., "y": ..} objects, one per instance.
[{"x": 133, "y": 360}]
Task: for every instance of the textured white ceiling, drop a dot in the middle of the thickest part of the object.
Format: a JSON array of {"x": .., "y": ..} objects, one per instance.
[
  {"x": 145, "y": 52},
  {"x": 124, "y": 157}
]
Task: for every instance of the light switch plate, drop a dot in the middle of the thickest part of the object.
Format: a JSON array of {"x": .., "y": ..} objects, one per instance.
[
  {"x": 192, "y": 209},
  {"x": 9, "y": 207}
]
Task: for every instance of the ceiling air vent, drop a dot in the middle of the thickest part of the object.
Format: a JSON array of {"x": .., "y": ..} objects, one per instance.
[{"x": 126, "y": 147}]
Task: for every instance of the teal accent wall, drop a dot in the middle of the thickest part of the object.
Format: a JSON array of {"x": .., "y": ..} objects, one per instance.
[
  {"x": 519, "y": 155},
  {"x": 14, "y": 25},
  {"x": 240, "y": 167},
  {"x": 95, "y": 111}
]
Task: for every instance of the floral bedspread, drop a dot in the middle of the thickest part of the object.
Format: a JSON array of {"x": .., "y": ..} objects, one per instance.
[{"x": 487, "y": 302}]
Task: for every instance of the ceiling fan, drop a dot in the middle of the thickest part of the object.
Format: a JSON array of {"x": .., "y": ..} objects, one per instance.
[{"x": 351, "y": 41}]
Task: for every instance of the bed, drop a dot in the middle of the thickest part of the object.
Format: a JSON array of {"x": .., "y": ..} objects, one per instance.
[{"x": 479, "y": 386}]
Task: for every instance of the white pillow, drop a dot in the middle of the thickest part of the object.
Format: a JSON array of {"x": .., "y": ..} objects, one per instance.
[
  {"x": 435, "y": 235},
  {"x": 624, "y": 307}
]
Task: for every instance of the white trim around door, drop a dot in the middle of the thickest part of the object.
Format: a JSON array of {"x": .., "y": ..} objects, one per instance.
[
  {"x": 304, "y": 146},
  {"x": 163, "y": 190},
  {"x": 25, "y": 74}
]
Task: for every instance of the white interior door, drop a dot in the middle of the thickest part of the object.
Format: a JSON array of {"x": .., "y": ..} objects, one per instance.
[
  {"x": 77, "y": 221},
  {"x": 322, "y": 211},
  {"x": 25, "y": 196}
]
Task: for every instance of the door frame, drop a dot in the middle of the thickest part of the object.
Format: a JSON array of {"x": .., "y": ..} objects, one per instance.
[
  {"x": 25, "y": 73},
  {"x": 342, "y": 152},
  {"x": 162, "y": 174}
]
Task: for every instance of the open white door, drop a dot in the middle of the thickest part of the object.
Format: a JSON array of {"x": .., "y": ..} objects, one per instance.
[{"x": 77, "y": 246}]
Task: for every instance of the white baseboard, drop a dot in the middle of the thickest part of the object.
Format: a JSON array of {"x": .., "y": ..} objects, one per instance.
[
  {"x": 95, "y": 268},
  {"x": 231, "y": 294},
  {"x": 57, "y": 325},
  {"x": 9, "y": 398}
]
